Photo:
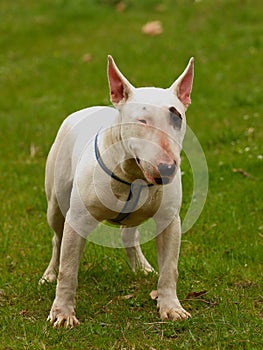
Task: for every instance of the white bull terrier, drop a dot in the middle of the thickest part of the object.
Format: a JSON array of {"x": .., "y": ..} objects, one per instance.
[{"x": 120, "y": 165}]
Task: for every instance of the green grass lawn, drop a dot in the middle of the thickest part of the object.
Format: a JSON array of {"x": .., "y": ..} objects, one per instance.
[{"x": 44, "y": 76}]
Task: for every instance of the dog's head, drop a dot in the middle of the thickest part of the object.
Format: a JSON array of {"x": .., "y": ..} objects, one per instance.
[{"x": 152, "y": 122}]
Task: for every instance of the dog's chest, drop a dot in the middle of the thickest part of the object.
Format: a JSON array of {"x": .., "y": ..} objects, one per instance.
[
  {"x": 139, "y": 204},
  {"x": 121, "y": 205}
]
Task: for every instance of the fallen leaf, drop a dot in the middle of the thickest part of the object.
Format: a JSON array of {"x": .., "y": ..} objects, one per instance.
[
  {"x": 193, "y": 295},
  {"x": 87, "y": 57},
  {"x": 126, "y": 297},
  {"x": 242, "y": 172},
  {"x": 120, "y": 7},
  {"x": 152, "y": 28},
  {"x": 154, "y": 294}
]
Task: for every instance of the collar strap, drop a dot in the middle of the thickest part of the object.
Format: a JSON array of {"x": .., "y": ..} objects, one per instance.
[
  {"x": 107, "y": 170},
  {"x": 103, "y": 166},
  {"x": 134, "y": 193},
  {"x": 130, "y": 204}
]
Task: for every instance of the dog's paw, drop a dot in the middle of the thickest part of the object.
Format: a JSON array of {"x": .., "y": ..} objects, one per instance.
[
  {"x": 48, "y": 277},
  {"x": 174, "y": 314},
  {"x": 147, "y": 269},
  {"x": 172, "y": 311},
  {"x": 62, "y": 318}
]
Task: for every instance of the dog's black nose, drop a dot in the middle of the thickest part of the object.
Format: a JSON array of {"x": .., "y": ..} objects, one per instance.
[{"x": 166, "y": 169}]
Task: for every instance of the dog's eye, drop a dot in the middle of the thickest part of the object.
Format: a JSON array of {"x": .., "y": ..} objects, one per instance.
[
  {"x": 175, "y": 118},
  {"x": 142, "y": 121}
]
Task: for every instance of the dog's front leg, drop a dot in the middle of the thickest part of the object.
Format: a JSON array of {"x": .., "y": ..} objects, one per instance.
[
  {"x": 63, "y": 309},
  {"x": 168, "y": 247}
]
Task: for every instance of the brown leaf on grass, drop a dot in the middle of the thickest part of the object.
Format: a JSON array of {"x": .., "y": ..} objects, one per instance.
[
  {"x": 87, "y": 57},
  {"x": 154, "y": 294},
  {"x": 193, "y": 295},
  {"x": 120, "y": 6},
  {"x": 153, "y": 28},
  {"x": 198, "y": 297},
  {"x": 127, "y": 297},
  {"x": 242, "y": 172}
]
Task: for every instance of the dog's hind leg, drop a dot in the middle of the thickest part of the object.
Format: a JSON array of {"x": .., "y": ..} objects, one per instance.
[
  {"x": 131, "y": 241},
  {"x": 56, "y": 222}
]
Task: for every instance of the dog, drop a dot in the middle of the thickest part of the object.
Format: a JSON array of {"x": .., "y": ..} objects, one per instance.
[{"x": 121, "y": 165}]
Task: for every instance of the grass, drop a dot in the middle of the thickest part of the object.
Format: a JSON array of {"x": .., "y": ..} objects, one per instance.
[{"x": 43, "y": 78}]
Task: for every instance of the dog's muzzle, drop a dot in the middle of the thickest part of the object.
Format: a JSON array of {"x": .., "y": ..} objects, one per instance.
[{"x": 166, "y": 170}]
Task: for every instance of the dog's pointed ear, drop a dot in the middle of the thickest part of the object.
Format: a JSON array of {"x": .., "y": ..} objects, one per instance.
[
  {"x": 182, "y": 87},
  {"x": 120, "y": 88}
]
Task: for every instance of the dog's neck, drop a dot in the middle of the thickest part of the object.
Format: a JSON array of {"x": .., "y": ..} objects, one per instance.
[{"x": 120, "y": 163}]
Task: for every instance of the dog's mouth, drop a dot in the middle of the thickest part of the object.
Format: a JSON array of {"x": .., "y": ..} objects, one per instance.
[
  {"x": 155, "y": 180},
  {"x": 162, "y": 180}
]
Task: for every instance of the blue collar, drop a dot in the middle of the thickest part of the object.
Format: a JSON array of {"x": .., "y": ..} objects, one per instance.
[{"x": 134, "y": 193}]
